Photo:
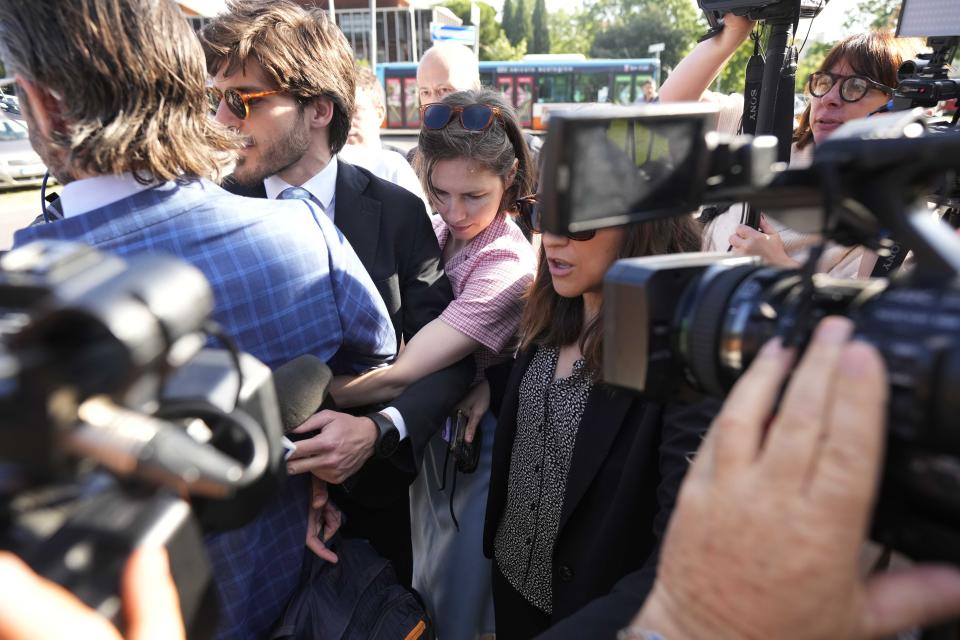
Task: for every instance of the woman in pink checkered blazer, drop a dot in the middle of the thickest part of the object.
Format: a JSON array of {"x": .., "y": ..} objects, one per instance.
[{"x": 474, "y": 165}]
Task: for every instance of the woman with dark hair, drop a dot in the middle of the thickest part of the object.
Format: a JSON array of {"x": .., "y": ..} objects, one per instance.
[
  {"x": 584, "y": 474},
  {"x": 473, "y": 163},
  {"x": 856, "y": 78}
]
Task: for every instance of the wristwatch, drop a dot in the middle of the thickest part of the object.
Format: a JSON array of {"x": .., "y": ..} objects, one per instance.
[{"x": 388, "y": 437}]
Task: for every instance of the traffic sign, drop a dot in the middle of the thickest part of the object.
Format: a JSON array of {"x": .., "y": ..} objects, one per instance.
[
  {"x": 656, "y": 48},
  {"x": 453, "y": 33}
]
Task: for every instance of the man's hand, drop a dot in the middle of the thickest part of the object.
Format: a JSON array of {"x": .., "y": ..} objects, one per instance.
[
  {"x": 766, "y": 243},
  {"x": 343, "y": 445},
  {"x": 323, "y": 521},
  {"x": 32, "y": 608},
  {"x": 769, "y": 522}
]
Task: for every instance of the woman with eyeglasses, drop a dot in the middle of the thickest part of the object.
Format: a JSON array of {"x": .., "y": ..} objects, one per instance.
[
  {"x": 856, "y": 78},
  {"x": 474, "y": 164},
  {"x": 585, "y": 474}
]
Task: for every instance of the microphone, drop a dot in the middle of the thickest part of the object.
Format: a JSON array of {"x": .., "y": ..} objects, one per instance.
[
  {"x": 131, "y": 443},
  {"x": 301, "y": 386}
]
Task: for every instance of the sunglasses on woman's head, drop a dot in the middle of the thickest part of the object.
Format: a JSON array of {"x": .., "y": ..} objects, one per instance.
[
  {"x": 529, "y": 212},
  {"x": 237, "y": 101},
  {"x": 473, "y": 117},
  {"x": 852, "y": 88}
]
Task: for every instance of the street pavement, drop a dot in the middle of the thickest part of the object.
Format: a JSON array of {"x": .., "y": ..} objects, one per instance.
[{"x": 18, "y": 208}]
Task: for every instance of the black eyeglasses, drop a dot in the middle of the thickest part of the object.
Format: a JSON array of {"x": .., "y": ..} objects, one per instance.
[
  {"x": 237, "y": 101},
  {"x": 852, "y": 88},
  {"x": 530, "y": 217},
  {"x": 473, "y": 117}
]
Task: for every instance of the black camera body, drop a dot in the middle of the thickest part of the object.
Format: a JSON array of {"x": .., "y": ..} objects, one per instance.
[
  {"x": 113, "y": 411},
  {"x": 762, "y": 10},
  {"x": 677, "y": 321}
]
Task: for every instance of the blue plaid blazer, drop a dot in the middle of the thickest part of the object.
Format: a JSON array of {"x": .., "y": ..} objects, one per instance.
[{"x": 285, "y": 283}]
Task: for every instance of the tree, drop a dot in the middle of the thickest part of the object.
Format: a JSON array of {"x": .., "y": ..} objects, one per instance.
[
  {"x": 509, "y": 22},
  {"x": 672, "y": 22},
  {"x": 490, "y": 29},
  {"x": 523, "y": 21},
  {"x": 571, "y": 32},
  {"x": 873, "y": 14},
  {"x": 541, "y": 31},
  {"x": 501, "y": 49}
]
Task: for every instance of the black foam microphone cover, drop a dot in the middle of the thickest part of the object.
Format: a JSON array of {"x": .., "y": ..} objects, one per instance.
[{"x": 301, "y": 388}]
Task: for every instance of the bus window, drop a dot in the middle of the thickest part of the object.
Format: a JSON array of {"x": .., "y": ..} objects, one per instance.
[
  {"x": 411, "y": 101},
  {"x": 592, "y": 87},
  {"x": 524, "y": 103},
  {"x": 554, "y": 88},
  {"x": 505, "y": 86},
  {"x": 486, "y": 78},
  {"x": 622, "y": 89},
  {"x": 394, "y": 102}
]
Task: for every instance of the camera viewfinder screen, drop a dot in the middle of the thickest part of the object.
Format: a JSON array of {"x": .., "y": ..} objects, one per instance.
[{"x": 607, "y": 171}]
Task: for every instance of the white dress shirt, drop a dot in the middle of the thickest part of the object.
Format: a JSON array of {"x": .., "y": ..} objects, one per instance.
[
  {"x": 81, "y": 196},
  {"x": 323, "y": 187}
]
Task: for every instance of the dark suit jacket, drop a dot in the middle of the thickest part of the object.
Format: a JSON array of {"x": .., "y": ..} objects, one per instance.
[
  {"x": 389, "y": 230},
  {"x": 628, "y": 461}
]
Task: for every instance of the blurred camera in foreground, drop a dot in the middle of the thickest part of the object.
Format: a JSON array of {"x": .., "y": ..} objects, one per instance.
[
  {"x": 113, "y": 413},
  {"x": 699, "y": 319}
]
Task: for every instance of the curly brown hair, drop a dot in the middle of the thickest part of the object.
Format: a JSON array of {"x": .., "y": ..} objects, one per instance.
[
  {"x": 130, "y": 82},
  {"x": 301, "y": 50}
]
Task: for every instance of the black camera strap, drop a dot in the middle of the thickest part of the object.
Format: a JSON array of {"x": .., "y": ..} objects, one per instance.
[
  {"x": 783, "y": 110},
  {"x": 751, "y": 87},
  {"x": 888, "y": 264}
]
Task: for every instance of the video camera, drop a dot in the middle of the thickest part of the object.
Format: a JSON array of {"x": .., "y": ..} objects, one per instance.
[
  {"x": 113, "y": 411},
  {"x": 924, "y": 82},
  {"x": 761, "y": 10},
  {"x": 699, "y": 320}
]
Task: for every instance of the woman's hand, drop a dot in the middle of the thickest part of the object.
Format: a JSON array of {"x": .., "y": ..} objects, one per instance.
[
  {"x": 737, "y": 28},
  {"x": 766, "y": 244},
  {"x": 474, "y": 405}
]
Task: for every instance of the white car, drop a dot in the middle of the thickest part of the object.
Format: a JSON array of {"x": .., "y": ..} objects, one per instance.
[{"x": 19, "y": 163}]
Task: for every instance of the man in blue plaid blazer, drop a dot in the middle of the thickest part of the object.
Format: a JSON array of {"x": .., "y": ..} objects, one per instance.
[{"x": 133, "y": 143}]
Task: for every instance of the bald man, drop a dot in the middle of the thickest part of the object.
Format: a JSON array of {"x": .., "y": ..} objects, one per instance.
[
  {"x": 445, "y": 68},
  {"x": 448, "y": 67}
]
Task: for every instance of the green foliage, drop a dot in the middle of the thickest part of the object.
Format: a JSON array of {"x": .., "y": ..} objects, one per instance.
[
  {"x": 541, "y": 30},
  {"x": 509, "y": 21},
  {"x": 630, "y": 26},
  {"x": 873, "y": 14},
  {"x": 490, "y": 29},
  {"x": 501, "y": 49},
  {"x": 571, "y": 32},
  {"x": 731, "y": 77},
  {"x": 523, "y": 21},
  {"x": 810, "y": 60}
]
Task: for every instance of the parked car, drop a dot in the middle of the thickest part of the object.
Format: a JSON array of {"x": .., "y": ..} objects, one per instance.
[{"x": 19, "y": 163}]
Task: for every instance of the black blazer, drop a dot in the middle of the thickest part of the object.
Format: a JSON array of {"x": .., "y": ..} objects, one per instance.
[
  {"x": 628, "y": 461},
  {"x": 390, "y": 231}
]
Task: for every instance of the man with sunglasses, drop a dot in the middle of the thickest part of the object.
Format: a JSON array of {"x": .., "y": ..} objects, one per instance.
[
  {"x": 283, "y": 77},
  {"x": 132, "y": 141}
]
